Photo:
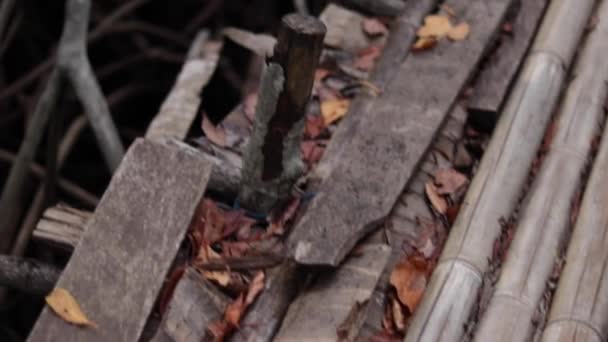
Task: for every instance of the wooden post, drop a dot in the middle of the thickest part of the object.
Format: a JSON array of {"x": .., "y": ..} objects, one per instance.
[{"x": 272, "y": 162}]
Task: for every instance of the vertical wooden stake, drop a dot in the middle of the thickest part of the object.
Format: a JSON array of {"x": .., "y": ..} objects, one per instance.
[{"x": 272, "y": 161}]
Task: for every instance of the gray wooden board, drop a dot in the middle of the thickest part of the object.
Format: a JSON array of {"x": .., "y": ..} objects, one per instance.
[
  {"x": 494, "y": 81},
  {"x": 195, "y": 304},
  {"x": 318, "y": 312},
  {"x": 389, "y": 143},
  {"x": 119, "y": 266}
]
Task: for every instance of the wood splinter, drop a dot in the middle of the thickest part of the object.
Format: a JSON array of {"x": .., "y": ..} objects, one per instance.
[{"x": 272, "y": 161}]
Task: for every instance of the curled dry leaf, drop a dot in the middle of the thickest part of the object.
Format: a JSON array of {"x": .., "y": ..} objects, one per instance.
[
  {"x": 256, "y": 286},
  {"x": 65, "y": 306},
  {"x": 459, "y": 32},
  {"x": 367, "y": 58},
  {"x": 373, "y": 27},
  {"x": 314, "y": 126},
  {"x": 399, "y": 319},
  {"x": 409, "y": 279},
  {"x": 424, "y": 43},
  {"x": 438, "y": 201},
  {"x": 449, "y": 181},
  {"x": 334, "y": 110},
  {"x": 436, "y": 26},
  {"x": 214, "y": 133},
  {"x": 312, "y": 151}
]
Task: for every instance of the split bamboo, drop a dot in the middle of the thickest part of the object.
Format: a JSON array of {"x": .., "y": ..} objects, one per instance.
[
  {"x": 546, "y": 215},
  {"x": 495, "y": 189}
]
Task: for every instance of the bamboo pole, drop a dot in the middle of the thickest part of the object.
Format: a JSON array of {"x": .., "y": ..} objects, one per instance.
[
  {"x": 495, "y": 189},
  {"x": 546, "y": 216}
]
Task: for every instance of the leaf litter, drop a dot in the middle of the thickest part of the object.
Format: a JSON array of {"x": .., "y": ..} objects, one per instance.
[{"x": 66, "y": 306}]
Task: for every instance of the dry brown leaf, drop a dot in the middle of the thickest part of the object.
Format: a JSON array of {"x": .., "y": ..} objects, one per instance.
[
  {"x": 333, "y": 110},
  {"x": 459, "y": 32},
  {"x": 438, "y": 201},
  {"x": 424, "y": 43},
  {"x": 222, "y": 278},
  {"x": 65, "y": 306},
  {"x": 398, "y": 317},
  {"x": 256, "y": 286},
  {"x": 448, "y": 181},
  {"x": 436, "y": 26},
  {"x": 235, "y": 310},
  {"x": 367, "y": 58},
  {"x": 409, "y": 279},
  {"x": 214, "y": 133},
  {"x": 374, "y": 27},
  {"x": 314, "y": 126}
]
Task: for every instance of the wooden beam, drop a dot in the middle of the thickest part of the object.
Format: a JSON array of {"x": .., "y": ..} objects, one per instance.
[
  {"x": 384, "y": 152},
  {"x": 499, "y": 72},
  {"x": 272, "y": 161},
  {"x": 120, "y": 264}
]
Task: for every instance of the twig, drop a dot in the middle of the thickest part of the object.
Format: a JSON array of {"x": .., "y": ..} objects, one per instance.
[
  {"x": 5, "y": 11},
  {"x": 120, "y": 12},
  {"x": 211, "y": 7},
  {"x": 27, "y": 275},
  {"x": 10, "y": 34}
]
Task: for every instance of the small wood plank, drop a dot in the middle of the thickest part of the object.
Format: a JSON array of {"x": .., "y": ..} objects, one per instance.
[
  {"x": 344, "y": 29},
  {"x": 495, "y": 79},
  {"x": 62, "y": 226},
  {"x": 195, "y": 304},
  {"x": 181, "y": 106},
  {"x": 384, "y": 153},
  {"x": 337, "y": 300},
  {"x": 119, "y": 266}
]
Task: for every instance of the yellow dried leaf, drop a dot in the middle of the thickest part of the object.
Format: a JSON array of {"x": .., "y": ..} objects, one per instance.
[
  {"x": 66, "y": 307},
  {"x": 220, "y": 277},
  {"x": 409, "y": 280},
  {"x": 424, "y": 43},
  {"x": 459, "y": 32},
  {"x": 436, "y": 26},
  {"x": 438, "y": 201},
  {"x": 333, "y": 110}
]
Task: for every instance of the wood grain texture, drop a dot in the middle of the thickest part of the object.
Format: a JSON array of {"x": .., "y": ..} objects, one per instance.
[
  {"x": 499, "y": 72},
  {"x": 318, "y": 312},
  {"x": 62, "y": 226},
  {"x": 384, "y": 153},
  {"x": 119, "y": 266},
  {"x": 195, "y": 304}
]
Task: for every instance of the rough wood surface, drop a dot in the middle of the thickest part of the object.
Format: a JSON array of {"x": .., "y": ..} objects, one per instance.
[
  {"x": 62, "y": 226},
  {"x": 272, "y": 160},
  {"x": 195, "y": 304},
  {"x": 401, "y": 36},
  {"x": 382, "y": 156},
  {"x": 337, "y": 299},
  {"x": 499, "y": 72},
  {"x": 546, "y": 213},
  {"x": 495, "y": 190},
  {"x": 179, "y": 109},
  {"x": 119, "y": 266}
]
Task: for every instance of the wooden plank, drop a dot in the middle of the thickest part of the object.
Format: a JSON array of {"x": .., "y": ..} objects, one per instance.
[
  {"x": 499, "y": 72},
  {"x": 120, "y": 264},
  {"x": 179, "y": 109},
  {"x": 501, "y": 176},
  {"x": 545, "y": 216},
  {"x": 344, "y": 29},
  {"x": 195, "y": 304},
  {"x": 62, "y": 226},
  {"x": 382, "y": 156},
  {"x": 336, "y": 299}
]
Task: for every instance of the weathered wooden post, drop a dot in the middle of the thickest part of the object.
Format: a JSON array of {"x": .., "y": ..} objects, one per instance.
[{"x": 272, "y": 161}]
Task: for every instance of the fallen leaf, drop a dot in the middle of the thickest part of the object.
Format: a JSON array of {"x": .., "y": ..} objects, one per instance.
[
  {"x": 459, "y": 32},
  {"x": 320, "y": 74},
  {"x": 367, "y": 58},
  {"x": 452, "y": 213},
  {"x": 438, "y": 201},
  {"x": 222, "y": 278},
  {"x": 312, "y": 152},
  {"x": 214, "y": 133},
  {"x": 424, "y": 43},
  {"x": 333, "y": 110},
  {"x": 436, "y": 26},
  {"x": 373, "y": 27},
  {"x": 66, "y": 307},
  {"x": 398, "y": 316},
  {"x": 315, "y": 125},
  {"x": 277, "y": 223},
  {"x": 235, "y": 310},
  {"x": 256, "y": 286},
  {"x": 449, "y": 181},
  {"x": 409, "y": 279}
]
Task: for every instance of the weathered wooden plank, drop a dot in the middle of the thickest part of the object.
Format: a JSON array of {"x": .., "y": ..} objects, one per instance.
[
  {"x": 336, "y": 299},
  {"x": 499, "y": 72},
  {"x": 195, "y": 304},
  {"x": 62, "y": 226},
  {"x": 344, "y": 29},
  {"x": 382, "y": 156},
  {"x": 179, "y": 109},
  {"x": 496, "y": 188},
  {"x": 119, "y": 266},
  {"x": 546, "y": 214}
]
